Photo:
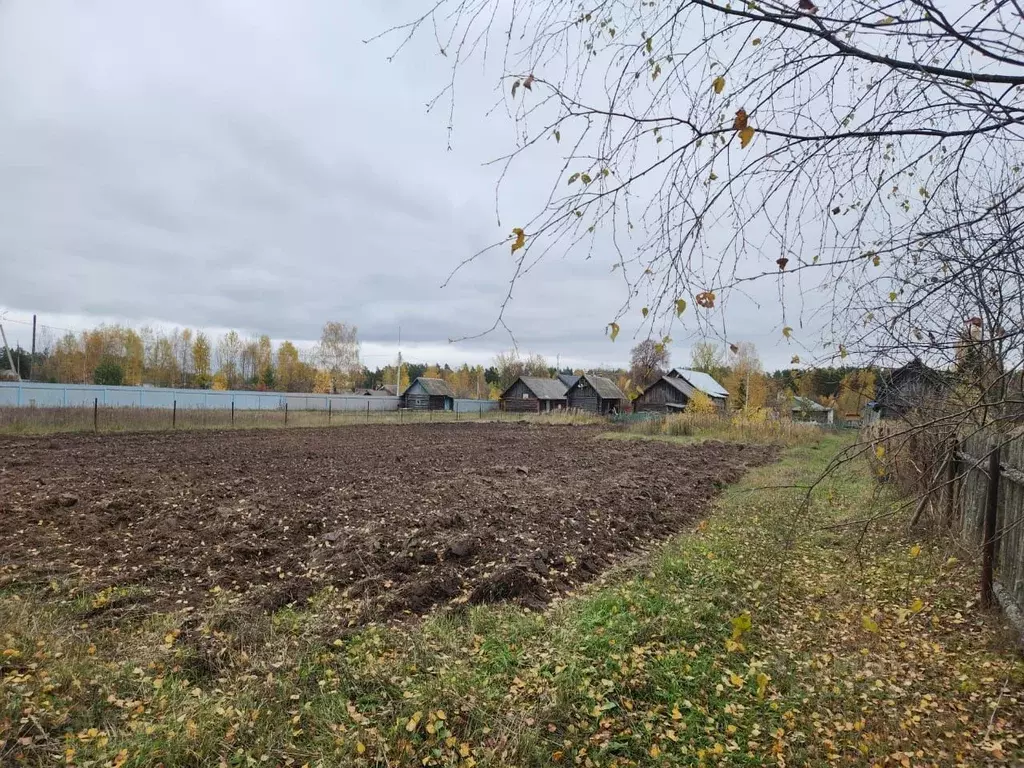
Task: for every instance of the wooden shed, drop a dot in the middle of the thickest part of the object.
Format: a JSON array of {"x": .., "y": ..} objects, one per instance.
[
  {"x": 428, "y": 395},
  {"x": 596, "y": 394},
  {"x": 667, "y": 394},
  {"x": 532, "y": 394}
]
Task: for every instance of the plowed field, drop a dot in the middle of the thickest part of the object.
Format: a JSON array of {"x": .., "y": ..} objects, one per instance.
[{"x": 396, "y": 519}]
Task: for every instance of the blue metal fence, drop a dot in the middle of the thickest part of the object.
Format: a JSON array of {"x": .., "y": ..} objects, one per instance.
[{"x": 29, "y": 394}]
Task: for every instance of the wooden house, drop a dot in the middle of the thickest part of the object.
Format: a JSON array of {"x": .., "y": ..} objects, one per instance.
[
  {"x": 805, "y": 409},
  {"x": 428, "y": 395},
  {"x": 596, "y": 394},
  {"x": 672, "y": 392},
  {"x": 532, "y": 394},
  {"x": 914, "y": 387},
  {"x": 665, "y": 395},
  {"x": 703, "y": 382},
  {"x": 568, "y": 379}
]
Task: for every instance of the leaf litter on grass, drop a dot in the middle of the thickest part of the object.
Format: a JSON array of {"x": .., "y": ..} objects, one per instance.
[{"x": 742, "y": 643}]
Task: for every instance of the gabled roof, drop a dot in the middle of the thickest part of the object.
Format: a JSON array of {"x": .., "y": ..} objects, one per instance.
[
  {"x": 568, "y": 379},
  {"x": 806, "y": 404},
  {"x": 677, "y": 383},
  {"x": 606, "y": 388},
  {"x": 543, "y": 389},
  {"x": 391, "y": 389},
  {"x": 700, "y": 380},
  {"x": 435, "y": 387}
]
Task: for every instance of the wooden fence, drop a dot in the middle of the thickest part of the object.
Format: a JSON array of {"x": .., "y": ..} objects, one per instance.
[
  {"x": 973, "y": 483},
  {"x": 988, "y": 485}
]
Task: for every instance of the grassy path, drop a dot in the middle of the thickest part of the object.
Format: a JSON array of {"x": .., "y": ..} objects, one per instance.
[{"x": 767, "y": 636}]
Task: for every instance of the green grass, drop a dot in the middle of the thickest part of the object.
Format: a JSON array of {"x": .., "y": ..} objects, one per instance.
[{"x": 740, "y": 643}]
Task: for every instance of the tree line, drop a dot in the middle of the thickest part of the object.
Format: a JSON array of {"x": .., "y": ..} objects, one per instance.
[{"x": 120, "y": 355}]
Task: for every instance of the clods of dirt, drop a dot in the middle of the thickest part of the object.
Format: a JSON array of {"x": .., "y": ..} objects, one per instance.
[{"x": 396, "y": 519}]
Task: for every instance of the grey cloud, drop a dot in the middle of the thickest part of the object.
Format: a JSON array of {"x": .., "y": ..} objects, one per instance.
[{"x": 254, "y": 165}]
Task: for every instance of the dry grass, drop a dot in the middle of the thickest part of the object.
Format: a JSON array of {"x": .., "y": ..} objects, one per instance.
[
  {"x": 735, "y": 428},
  {"x": 865, "y": 648},
  {"x": 41, "y": 421}
]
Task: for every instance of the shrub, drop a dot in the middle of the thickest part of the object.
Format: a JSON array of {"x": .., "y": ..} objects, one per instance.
[
  {"x": 109, "y": 373},
  {"x": 701, "y": 405}
]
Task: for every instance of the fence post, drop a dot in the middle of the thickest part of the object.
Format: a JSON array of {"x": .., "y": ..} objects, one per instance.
[
  {"x": 174, "y": 415},
  {"x": 95, "y": 414},
  {"x": 330, "y": 407},
  {"x": 286, "y": 413},
  {"x": 952, "y": 470},
  {"x": 399, "y": 415},
  {"x": 232, "y": 411},
  {"x": 989, "y": 541},
  {"x": 456, "y": 411},
  {"x": 367, "y": 411}
]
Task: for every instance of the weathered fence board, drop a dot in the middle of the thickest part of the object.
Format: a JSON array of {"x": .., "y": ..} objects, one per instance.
[{"x": 1009, "y": 547}]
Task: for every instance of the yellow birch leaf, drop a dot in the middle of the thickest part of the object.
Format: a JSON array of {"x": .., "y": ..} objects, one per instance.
[
  {"x": 762, "y": 684},
  {"x": 746, "y": 136},
  {"x": 680, "y": 306},
  {"x": 718, "y": 84},
  {"x": 869, "y": 624},
  {"x": 520, "y": 240},
  {"x": 740, "y": 624},
  {"x": 915, "y": 551},
  {"x": 613, "y": 330},
  {"x": 787, "y": 331},
  {"x": 414, "y": 721}
]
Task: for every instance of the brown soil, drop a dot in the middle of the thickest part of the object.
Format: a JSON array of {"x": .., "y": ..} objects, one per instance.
[{"x": 397, "y": 518}]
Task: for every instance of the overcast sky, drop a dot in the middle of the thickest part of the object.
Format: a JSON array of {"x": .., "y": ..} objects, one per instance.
[{"x": 252, "y": 164}]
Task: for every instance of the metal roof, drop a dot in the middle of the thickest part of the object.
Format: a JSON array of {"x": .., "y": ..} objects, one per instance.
[
  {"x": 544, "y": 389},
  {"x": 806, "y": 404},
  {"x": 435, "y": 387},
  {"x": 702, "y": 381},
  {"x": 606, "y": 388}
]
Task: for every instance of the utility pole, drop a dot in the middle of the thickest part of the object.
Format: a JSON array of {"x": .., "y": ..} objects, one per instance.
[
  {"x": 32, "y": 360},
  {"x": 398, "y": 375},
  {"x": 7, "y": 347}
]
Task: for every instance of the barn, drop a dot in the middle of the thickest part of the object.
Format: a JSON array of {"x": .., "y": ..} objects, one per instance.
[
  {"x": 532, "y": 394},
  {"x": 428, "y": 395},
  {"x": 596, "y": 394}
]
